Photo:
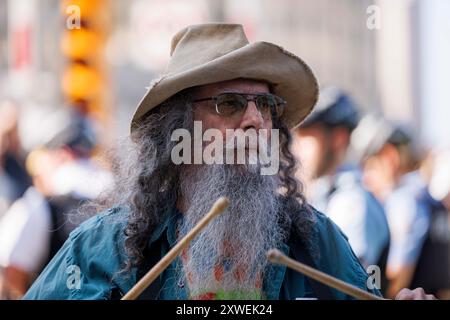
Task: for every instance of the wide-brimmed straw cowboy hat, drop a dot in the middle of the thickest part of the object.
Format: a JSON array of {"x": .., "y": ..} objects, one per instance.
[{"x": 208, "y": 53}]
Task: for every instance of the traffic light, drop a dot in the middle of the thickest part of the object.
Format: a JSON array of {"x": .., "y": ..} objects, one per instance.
[{"x": 84, "y": 79}]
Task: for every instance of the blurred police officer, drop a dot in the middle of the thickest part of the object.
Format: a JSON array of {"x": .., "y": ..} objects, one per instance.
[
  {"x": 335, "y": 186},
  {"x": 418, "y": 221},
  {"x": 386, "y": 154}
]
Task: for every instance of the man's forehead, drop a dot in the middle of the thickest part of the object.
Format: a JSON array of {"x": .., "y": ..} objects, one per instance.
[{"x": 235, "y": 85}]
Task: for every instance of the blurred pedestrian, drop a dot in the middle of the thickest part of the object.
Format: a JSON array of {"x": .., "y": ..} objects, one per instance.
[
  {"x": 36, "y": 225},
  {"x": 14, "y": 179},
  {"x": 432, "y": 271}
]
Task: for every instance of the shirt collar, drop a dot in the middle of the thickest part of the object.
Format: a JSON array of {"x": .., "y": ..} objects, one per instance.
[
  {"x": 274, "y": 277},
  {"x": 169, "y": 223}
]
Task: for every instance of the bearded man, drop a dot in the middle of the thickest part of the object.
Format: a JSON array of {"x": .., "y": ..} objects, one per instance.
[{"x": 216, "y": 77}]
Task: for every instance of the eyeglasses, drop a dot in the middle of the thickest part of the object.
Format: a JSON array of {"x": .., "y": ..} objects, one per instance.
[{"x": 233, "y": 104}]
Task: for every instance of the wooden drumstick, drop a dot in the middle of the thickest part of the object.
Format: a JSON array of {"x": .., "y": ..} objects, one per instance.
[
  {"x": 219, "y": 206},
  {"x": 275, "y": 256}
]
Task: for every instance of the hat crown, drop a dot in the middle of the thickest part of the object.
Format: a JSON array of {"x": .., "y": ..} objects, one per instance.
[{"x": 199, "y": 44}]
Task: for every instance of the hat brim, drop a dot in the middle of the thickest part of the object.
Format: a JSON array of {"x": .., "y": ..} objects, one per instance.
[{"x": 288, "y": 75}]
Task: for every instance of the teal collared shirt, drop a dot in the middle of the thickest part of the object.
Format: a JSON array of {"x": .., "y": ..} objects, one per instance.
[{"x": 88, "y": 265}]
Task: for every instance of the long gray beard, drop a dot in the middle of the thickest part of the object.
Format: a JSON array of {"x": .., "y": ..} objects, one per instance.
[{"x": 238, "y": 239}]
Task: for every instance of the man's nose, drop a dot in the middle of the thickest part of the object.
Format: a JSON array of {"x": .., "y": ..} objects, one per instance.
[{"x": 252, "y": 118}]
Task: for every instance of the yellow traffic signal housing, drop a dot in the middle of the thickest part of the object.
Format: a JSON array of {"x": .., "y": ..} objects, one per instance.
[
  {"x": 84, "y": 78},
  {"x": 81, "y": 44},
  {"x": 81, "y": 82}
]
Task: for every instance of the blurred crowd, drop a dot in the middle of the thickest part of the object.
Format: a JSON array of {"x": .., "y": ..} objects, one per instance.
[
  {"x": 388, "y": 194},
  {"x": 40, "y": 191}
]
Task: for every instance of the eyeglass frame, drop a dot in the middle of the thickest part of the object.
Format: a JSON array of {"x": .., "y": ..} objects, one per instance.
[{"x": 245, "y": 95}]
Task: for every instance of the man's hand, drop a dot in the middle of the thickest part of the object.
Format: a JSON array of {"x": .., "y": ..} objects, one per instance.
[{"x": 416, "y": 294}]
